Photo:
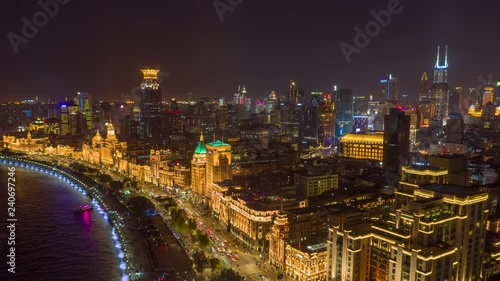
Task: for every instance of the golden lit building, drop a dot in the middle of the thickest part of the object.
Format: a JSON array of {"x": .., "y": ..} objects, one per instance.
[
  {"x": 218, "y": 166},
  {"x": 28, "y": 144},
  {"x": 363, "y": 146},
  {"x": 105, "y": 151},
  {"x": 437, "y": 236},
  {"x": 250, "y": 221},
  {"x": 198, "y": 171},
  {"x": 413, "y": 177},
  {"x": 307, "y": 261}
]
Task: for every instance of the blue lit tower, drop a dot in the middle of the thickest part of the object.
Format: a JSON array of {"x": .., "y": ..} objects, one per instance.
[
  {"x": 390, "y": 88},
  {"x": 440, "y": 87},
  {"x": 343, "y": 105}
]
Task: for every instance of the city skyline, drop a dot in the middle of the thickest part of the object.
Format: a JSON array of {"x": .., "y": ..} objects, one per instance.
[{"x": 242, "y": 49}]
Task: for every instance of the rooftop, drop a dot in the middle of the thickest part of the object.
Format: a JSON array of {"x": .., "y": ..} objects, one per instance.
[
  {"x": 218, "y": 143},
  {"x": 455, "y": 190},
  {"x": 201, "y": 148},
  {"x": 424, "y": 168},
  {"x": 377, "y": 137}
]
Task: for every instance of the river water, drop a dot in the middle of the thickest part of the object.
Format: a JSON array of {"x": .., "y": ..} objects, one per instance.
[{"x": 52, "y": 242}]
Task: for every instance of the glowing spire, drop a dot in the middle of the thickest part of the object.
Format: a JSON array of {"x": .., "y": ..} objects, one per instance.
[
  {"x": 437, "y": 60},
  {"x": 201, "y": 135},
  {"x": 446, "y": 57},
  {"x": 424, "y": 77}
]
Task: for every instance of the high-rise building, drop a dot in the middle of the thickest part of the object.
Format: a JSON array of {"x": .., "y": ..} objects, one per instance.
[
  {"x": 64, "y": 119},
  {"x": 326, "y": 129},
  {"x": 343, "y": 109},
  {"x": 360, "y": 105},
  {"x": 198, "y": 171},
  {"x": 424, "y": 91},
  {"x": 294, "y": 94},
  {"x": 440, "y": 89},
  {"x": 497, "y": 94},
  {"x": 437, "y": 235},
  {"x": 411, "y": 111},
  {"x": 396, "y": 139},
  {"x": 84, "y": 105},
  {"x": 390, "y": 88},
  {"x": 218, "y": 165},
  {"x": 310, "y": 120},
  {"x": 152, "y": 114},
  {"x": 454, "y": 129},
  {"x": 488, "y": 95}
]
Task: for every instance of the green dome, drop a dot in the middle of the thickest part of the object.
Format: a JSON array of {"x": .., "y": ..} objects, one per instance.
[
  {"x": 201, "y": 148},
  {"x": 218, "y": 143}
]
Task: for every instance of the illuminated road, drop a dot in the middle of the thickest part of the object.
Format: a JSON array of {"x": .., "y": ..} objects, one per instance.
[{"x": 246, "y": 265}]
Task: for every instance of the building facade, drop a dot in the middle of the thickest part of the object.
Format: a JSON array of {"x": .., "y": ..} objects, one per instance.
[{"x": 363, "y": 146}]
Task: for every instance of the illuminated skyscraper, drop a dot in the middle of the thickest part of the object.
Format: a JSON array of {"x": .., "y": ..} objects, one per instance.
[
  {"x": 390, "y": 88},
  {"x": 85, "y": 107},
  {"x": 343, "y": 108},
  {"x": 488, "y": 95},
  {"x": 424, "y": 93},
  {"x": 326, "y": 128},
  {"x": 440, "y": 87},
  {"x": 294, "y": 94},
  {"x": 151, "y": 110}
]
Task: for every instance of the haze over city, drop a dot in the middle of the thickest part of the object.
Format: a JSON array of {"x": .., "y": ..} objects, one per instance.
[{"x": 98, "y": 47}]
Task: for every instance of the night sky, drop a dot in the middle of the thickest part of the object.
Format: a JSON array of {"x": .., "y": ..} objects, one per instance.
[{"x": 100, "y": 45}]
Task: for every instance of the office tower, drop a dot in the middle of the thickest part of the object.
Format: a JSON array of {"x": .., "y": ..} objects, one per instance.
[
  {"x": 85, "y": 107},
  {"x": 390, "y": 88},
  {"x": 248, "y": 105},
  {"x": 411, "y": 111},
  {"x": 198, "y": 171},
  {"x": 76, "y": 121},
  {"x": 218, "y": 166},
  {"x": 343, "y": 110},
  {"x": 424, "y": 91},
  {"x": 360, "y": 105},
  {"x": 271, "y": 102},
  {"x": 454, "y": 129},
  {"x": 238, "y": 97},
  {"x": 372, "y": 106},
  {"x": 294, "y": 94},
  {"x": 310, "y": 119},
  {"x": 64, "y": 119},
  {"x": 440, "y": 87},
  {"x": 396, "y": 139},
  {"x": 151, "y": 109},
  {"x": 242, "y": 104},
  {"x": 326, "y": 128},
  {"x": 497, "y": 94},
  {"x": 453, "y": 102},
  {"x": 488, "y": 95},
  {"x": 438, "y": 235}
]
